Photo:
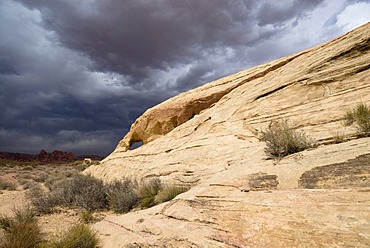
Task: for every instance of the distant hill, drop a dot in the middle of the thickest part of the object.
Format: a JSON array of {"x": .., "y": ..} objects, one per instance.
[{"x": 44, "y": 157}]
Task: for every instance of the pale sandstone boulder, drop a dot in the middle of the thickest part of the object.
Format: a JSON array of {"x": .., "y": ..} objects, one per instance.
[{"x": 209, "y": 138}]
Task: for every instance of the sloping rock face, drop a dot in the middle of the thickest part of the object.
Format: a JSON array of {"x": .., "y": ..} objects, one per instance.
[{"x": 208, "y": 138}]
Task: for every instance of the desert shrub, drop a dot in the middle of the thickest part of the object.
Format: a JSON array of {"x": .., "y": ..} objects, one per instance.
[
  {"x": 22, "y": 181},
  {"x": 148, "y": 192},
  {"x": 360, "y": 115},
  {"x": 122, "y": 195},
  {"x": 46, "y": 204},
  {"x": 21, "y": 231},
  {"x": 29, "y": 184},
  {"x": 28, "y": 168},
  {"x": 52, "y": 182},
  {"x": 84, "y": 191},
  {"x": 67, "y": 174},
  {"x": 7, "y": 170},
  {"x": 34, "y": 191},
  {"x": 7, "y": 163},
  {"x": 87, "y": 216},
  {"x": 41, "y": 177},
  {"x": 87, "y": 192},
  {"x": 282, "y": 140},
  {"x": 5, "y": 185},
  {"x": 24, "y": 175},
  {"x": 81, "y": 191},
  {"x": 81, "y": 168},
  {"x": 168, "y": 192},
  {"x": 58, "y": 175},
  {"x": 78, "y": 236}
]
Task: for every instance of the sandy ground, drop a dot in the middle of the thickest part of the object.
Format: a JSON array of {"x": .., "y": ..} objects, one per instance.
[
  {"x": 51, "y": 224},
  {"x": 10, "y": 200}
]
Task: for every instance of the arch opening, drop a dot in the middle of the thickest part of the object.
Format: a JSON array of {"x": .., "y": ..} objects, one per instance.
[{"x": 136, "y": 144}]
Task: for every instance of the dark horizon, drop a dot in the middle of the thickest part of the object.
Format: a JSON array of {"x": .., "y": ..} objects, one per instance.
[
  {"x": 51, "y": 151},
  {"x": 74, "y": 75}
]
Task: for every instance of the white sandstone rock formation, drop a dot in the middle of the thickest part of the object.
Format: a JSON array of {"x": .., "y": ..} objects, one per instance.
[{"x": 208, "y": 138}]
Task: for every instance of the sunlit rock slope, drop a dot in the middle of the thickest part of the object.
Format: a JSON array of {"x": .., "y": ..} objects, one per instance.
[{"x": 208, "y": 138}]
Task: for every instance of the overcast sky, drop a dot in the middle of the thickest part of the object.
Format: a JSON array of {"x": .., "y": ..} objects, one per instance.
[{"x": 74, "y": 74}]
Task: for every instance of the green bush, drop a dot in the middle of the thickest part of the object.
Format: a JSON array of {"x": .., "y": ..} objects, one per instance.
[
  {"x": 79, "y": 236},
  {"x": 168, "y": 192},
  {"x": 148, "y": 192},
  {"x": 122, "y": 195},
  {"x": 282, "y": 140},
  {"x": 21, "y": 231},
  {"x": 360, "y": 115}
]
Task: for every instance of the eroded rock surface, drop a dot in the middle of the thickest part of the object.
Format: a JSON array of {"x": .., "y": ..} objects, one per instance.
[
  {"x": 208, "y": 138},
  {"x": 353, "y": 173}
]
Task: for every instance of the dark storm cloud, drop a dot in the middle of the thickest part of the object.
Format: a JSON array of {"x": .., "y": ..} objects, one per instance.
[
  {"x": 134, "y": 37},
  {"x": 137, "y": 37},
  {"x": 277, "y": 12},
  {"x": 75, "y": 74}
]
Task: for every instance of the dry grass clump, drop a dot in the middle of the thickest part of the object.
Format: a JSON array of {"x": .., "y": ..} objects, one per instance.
[
  {"x": 23, "y": 231},
  {"x": 78, "y": 236},
  {"x": 87, "y": 217},
  {"x": 360, "y": 115},
  {"x": 20, "y": 231},
  {"x": 148, "y": 192},
  {"x": 168, "y": 192},
  {"x": 282, "y": 140}
]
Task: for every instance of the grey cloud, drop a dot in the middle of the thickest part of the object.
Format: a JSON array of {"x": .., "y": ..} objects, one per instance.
[
  {"x": 277, "y": 12},
  {"x": 136, "y": 37},
  {"x": 74, "y": 75},
  {"x": 133, "y": 37},
  {"x": 195, "y": 75}
]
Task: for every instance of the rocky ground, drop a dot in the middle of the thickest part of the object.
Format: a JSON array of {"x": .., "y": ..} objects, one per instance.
[{"x": 305, "y": 200}]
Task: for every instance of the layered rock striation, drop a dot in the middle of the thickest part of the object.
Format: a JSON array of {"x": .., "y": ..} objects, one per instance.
[{"x": 208, "y": 138}]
